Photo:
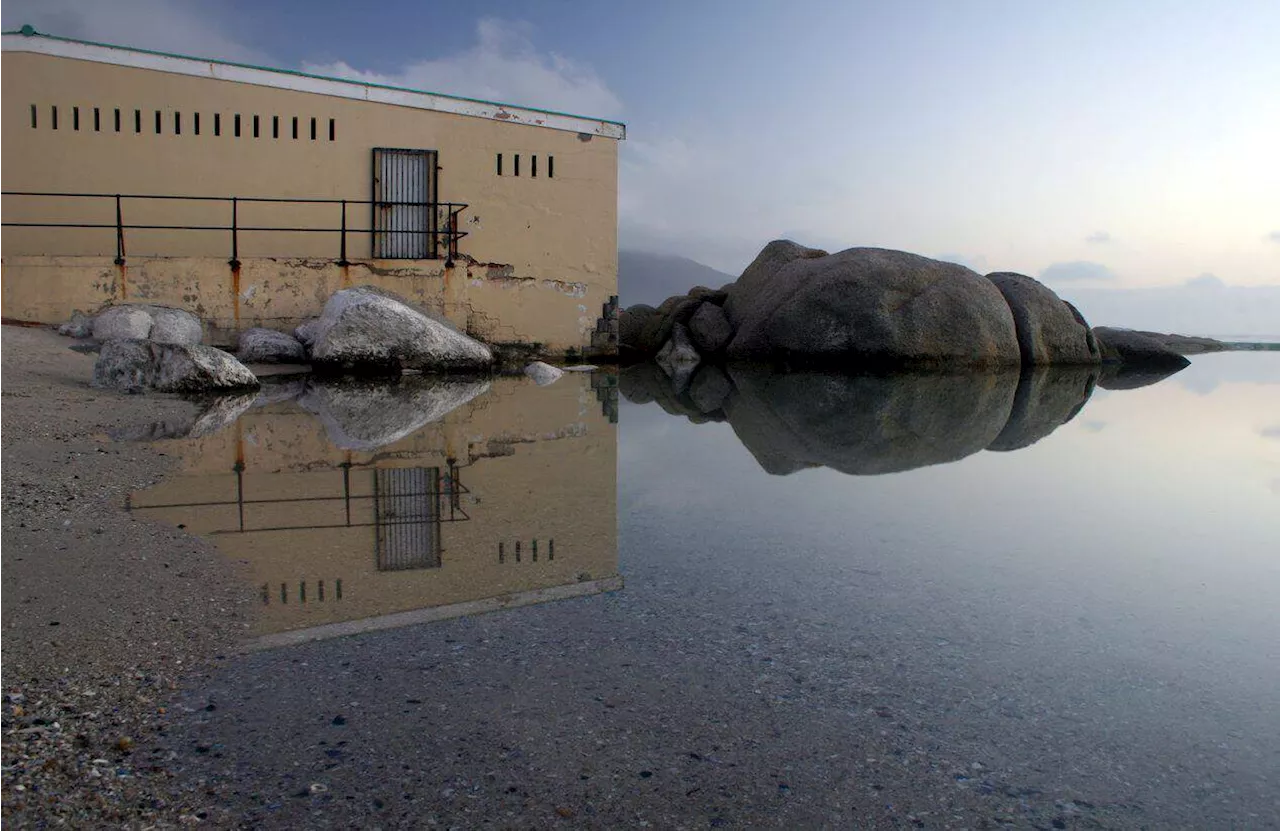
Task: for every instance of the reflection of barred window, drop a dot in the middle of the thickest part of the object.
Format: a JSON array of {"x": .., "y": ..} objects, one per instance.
[{"x": 407, "y": 511}]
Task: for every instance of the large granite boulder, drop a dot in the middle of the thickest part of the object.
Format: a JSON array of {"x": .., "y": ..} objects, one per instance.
[
  {"x": 141, "y": 365},
  {"x": 657, "y": 329},
  {"x": 772, "y": 258},
  {"x": 267, "y": 346},
  {"x": 709, "y": 295},
  {"x": 868, "y": 308},
  {"x": 1047, "y": 398},
  {"x": 1125, "y": 346},
  {"x": 709, "y": 329},
  {"x": 366, "y": 416},
  {"x": 1049, "y": 330},
  {"x": 631, "y": 323},
  {"x": 362, "y": 329},
  {"x": 139, "y": 321},
  {"x": 867, "y": 424}
]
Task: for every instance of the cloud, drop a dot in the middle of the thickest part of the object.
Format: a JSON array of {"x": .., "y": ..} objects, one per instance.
[
  {"x": 163, "y": 25},
  {"x": 1077, "y": 271},
  {"x": 1098, "y": 237},
  {"x": 1206, "y": 281},
  {"x": 1271, "y": 432},
  {"x": 1274, "y": 236},
  {"x": 504, "y": 66}
]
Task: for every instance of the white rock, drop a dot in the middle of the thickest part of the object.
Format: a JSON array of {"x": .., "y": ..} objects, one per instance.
[
  {"x": 140, "y": 365},
  {"x": 543, "y": 374}
]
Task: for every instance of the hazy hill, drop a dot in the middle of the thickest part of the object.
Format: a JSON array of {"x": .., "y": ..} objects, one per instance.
[{"x": 652, "y": 278}]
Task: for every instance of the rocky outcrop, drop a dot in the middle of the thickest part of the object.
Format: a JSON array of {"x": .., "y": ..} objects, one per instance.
[
  {"x": 362, "y": 329},
  {"x": 267, "y": 346},
  {"x": 543, "y": 373},
  {"x": 871, "y": 307},
  {"x": 79, "y": 326},
  {"x": 1050, "y": 331},
  {"x": 709, "y": 329},
  {"x": 142, "y": 365},
  {"x": 138, "y": 321},
  {"x": 365, "y": 417},
  {"x": 1134, "y": 349}
]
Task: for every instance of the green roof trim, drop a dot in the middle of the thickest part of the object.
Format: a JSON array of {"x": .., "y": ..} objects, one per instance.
[{"x": 30, "y": 31}]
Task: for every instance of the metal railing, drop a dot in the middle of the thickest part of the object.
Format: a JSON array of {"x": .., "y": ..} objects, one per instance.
[{"x": 446, "y": 230}]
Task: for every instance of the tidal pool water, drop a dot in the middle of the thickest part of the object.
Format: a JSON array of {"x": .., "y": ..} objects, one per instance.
[
  {"x": 934, "y": 602},
  {"x": 1083, "y": 616}
]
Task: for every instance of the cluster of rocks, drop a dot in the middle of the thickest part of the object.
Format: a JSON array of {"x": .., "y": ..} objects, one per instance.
[
  {"x": 873, "y": 309},
  {"x": 363, "y": 331}
]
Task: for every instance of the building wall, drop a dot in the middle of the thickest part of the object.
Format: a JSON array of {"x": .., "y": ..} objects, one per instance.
[{"x": 539, "y": 261}]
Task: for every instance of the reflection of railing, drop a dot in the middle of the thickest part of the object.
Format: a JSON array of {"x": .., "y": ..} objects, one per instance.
[
  {"x": 445, "y": 229},
  {"x": 448, "y": 488}
]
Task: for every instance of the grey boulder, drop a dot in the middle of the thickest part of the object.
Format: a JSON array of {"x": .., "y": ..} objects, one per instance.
[
  {"x": 1125, "y": 346},
  {"x": 868, "y": 307},
  {"x": 141, "y": 365},
  {"x": 363, "y": 329},
  {"x": 1050, "y": 330},
  {"x": 267, "y": 346},
  {"x": 542, "y": 373},
  {"x": 139, "y": 321},
  {"x": 79, "y": 326},
  {"x": 709, "y": 329}
]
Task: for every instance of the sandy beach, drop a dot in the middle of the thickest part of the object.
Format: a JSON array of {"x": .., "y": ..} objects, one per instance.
[{"x": 105, "y": 617}]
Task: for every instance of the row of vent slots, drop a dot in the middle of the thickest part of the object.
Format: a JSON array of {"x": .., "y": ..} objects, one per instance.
[
  {"x": 302, "y": 592},
  {"x": 533, "y": 165},
  {"x": 551, "y": 551},
  {"x": 177, "y": 123}
]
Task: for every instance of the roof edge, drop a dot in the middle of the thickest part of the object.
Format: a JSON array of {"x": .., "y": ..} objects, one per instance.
[{"x": 27, "y": 39}]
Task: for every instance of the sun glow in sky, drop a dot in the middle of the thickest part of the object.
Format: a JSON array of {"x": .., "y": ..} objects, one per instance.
[{"x": 1119, "y": 143}]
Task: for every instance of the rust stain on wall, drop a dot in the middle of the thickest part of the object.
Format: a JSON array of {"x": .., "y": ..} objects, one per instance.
[
  {"x": 123, "y": 282},
  {"x": 235, "y": 292}
]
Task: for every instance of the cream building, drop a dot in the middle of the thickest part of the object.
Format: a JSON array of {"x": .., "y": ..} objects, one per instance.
[{"x": 248, "y": 195}]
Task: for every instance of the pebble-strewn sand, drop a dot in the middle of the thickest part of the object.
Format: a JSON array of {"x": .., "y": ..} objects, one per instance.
[{"x": 104, "y": 617}]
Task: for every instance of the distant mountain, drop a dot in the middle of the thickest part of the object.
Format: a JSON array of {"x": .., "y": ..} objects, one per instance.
[{"x": 652, "y": 278}]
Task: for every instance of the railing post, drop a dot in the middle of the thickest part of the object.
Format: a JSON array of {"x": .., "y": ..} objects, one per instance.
[
  {"x": 234, "y": 262},
  {"x": 343, "y": 259},
  {"x": 119, "y": 233}
]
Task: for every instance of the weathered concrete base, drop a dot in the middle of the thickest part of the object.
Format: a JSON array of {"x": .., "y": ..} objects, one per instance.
[{"x": 560, "y": 314}]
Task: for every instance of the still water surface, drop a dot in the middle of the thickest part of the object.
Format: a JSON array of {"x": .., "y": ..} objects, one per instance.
[
  {"x": 1087, "y": 620},
  {"x": 841, "y": 610}
]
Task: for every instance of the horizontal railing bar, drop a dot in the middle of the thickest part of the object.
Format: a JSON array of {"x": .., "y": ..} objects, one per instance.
[
  {"x": 280, "y": 199},
  {"x": 297, "y": 499},
  {"x": 263, "y": 229}
]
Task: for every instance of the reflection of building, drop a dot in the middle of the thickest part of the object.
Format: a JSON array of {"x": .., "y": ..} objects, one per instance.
[
  {"x": 507, "y": 500},
  {"x": 253, "y": 193}
]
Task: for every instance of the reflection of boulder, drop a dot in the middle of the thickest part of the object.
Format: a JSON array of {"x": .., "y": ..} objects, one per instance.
[
  {"x": 1047, "y": 398},
  {"x": 678, "y": 358},
  {"x": 867, "y": 424},
  {"x": 215, "y": 414},
  {"x": 359, "y": 416},
  {"x": 1130, "y": 377},
  {"x": 645, "y": 383}
]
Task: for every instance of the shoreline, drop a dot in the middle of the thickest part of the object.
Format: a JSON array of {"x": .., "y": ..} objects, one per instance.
[{"x": 107, "y": 617}]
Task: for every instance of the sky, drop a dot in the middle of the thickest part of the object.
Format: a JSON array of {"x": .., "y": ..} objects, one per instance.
[{"x": 1093, "y": 144}]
